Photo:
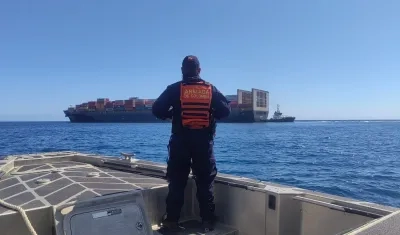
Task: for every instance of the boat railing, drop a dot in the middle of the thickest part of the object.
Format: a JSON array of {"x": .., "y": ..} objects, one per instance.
[{"x": 339, "y": 207}]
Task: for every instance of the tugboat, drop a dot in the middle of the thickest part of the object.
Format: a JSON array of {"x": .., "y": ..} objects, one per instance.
[{"x": 278, "y": 117}]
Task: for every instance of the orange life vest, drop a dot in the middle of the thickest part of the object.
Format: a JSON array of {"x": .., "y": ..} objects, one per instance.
[{"x": 195, "y": 104}]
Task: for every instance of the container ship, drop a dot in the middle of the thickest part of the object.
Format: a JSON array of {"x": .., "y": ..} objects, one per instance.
[{"x": 247, "y": 107}]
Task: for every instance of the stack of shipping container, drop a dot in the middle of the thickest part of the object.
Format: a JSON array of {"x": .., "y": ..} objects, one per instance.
[
  {"x": 118, "y": 105},
  {"x": 92, "y": 106},
  {"x": 148, "y": 104},
  {"x": 139, "y": 104},
  {"x": 243, "y": 100},
  {"x": 233, "y": 99},
  {"x": 101, "y": 103},
  {"x": 109, "y": 106},
  {"x": 104, "y": 104},
  {"x": 83, "y": 107},
  {"x": 119, "y": 102},
  {"x": 129, "y": 105},
  {"x": 246, "y": 101}
]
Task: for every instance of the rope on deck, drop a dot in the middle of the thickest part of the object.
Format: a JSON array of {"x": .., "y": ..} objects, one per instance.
[{"x": 23, "y": 214}]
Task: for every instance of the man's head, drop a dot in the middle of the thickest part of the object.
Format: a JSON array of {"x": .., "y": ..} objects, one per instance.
[{"x": 190, "y": 66}]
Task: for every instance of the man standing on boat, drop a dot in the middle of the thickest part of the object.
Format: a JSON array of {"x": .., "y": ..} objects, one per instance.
[{"x": 196, "y": 104}]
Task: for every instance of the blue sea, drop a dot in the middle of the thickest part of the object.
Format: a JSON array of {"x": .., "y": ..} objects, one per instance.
[{"x": 357, "y": 159}]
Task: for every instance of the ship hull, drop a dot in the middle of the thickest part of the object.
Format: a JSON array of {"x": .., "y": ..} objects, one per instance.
[
  {"x": 286, "y": 119},
  {"x": 249, "y": 116},
  {"x": 113, "y": 117},
  {"x": 237, "y": 116}
]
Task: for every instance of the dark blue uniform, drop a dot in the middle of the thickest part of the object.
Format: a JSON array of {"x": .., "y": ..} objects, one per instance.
[{"x": 190, "y": 148}]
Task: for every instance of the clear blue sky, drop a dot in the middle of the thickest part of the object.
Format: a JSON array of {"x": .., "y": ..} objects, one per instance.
[{"x": 318, "y": 59}]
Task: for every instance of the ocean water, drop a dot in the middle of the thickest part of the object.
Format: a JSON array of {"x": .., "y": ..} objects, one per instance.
[{"x": 357, "y": 159}]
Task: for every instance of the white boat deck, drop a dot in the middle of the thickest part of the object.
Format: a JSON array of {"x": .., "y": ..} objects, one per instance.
[{"x": 56, "y": 189}]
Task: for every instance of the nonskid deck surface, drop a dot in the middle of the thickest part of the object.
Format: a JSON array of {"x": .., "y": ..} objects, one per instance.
[
  {"x": 52, "y": 179},
  {"x": 45, "y": 184}
]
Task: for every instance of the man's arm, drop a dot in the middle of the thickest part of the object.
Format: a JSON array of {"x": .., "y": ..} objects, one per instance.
[
  {"x": 220, "y": 104},
  {"x": 161, "y": 107}
]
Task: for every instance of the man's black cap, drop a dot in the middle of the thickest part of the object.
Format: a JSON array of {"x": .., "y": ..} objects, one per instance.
[{"x": 190, "y": 62}]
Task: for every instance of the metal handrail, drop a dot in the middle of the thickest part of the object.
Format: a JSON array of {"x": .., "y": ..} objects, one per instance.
[{"x": 338, "y": 208}]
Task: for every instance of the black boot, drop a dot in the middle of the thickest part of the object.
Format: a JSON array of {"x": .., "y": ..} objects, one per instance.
[
  {"x": 170, "y": 226},
  {"x": 209, "y": 224}
]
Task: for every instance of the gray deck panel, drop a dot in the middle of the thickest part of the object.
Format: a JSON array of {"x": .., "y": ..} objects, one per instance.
[
  {"x": 44, "y": 167},
  {"x": 28, "y": 167},
  {"x": 81, "y": 174},
  {"x": 83, "y": 169},
  {"x": 125, "y": 175},
  {"x": 148, "y": 186},
  {"x": 64, "y": 194},
  {"x": 146, "y": 180},
  {"x": 72, "y": 163},
  {"x": 31, "y": 176},
  {"x": 86, "y": 195},
  {"x": 8, "y": 182},
  {"x": 51, "y": 177},
  {"x": 96, "y": 180},
  {"x": 8, "y": 192},
  {"x": 109, "y": 170},
  {"x": 21, "y": 198},
  {"x": 53, "y": 186},
  {"x": 32, "y": 204},
  {"x": 109, "y": 186},
  {"x": 61, "y": 165}
]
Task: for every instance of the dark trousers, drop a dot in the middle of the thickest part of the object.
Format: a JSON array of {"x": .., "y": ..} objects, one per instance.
[{"x": 196, "y": 152}]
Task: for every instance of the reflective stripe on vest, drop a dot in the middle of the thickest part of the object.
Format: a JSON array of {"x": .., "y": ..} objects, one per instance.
[{"x": 195, "y": 104}]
